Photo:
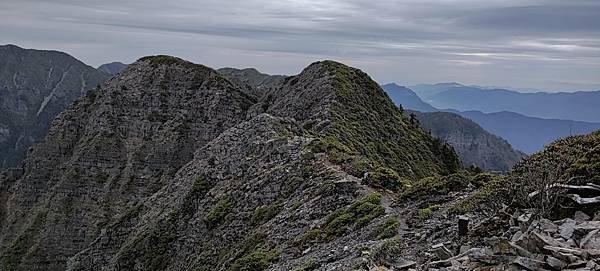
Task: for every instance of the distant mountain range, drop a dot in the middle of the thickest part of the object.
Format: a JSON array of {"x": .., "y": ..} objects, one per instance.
[
  {"x": 35, "y": 86},
  {"x": 112, "y": 68},
  {"x": 407, "y": 98},
  {"x": 474, "y": 145},
  {"x": 529, "y": 134},
  {"x": 525, "y": 133},
  {"x": 580, "y": 106}
]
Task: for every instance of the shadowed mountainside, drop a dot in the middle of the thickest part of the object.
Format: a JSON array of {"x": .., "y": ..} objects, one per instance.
[{"x": 35, "y": 86}]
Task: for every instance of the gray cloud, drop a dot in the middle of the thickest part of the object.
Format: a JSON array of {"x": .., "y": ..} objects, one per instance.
[{"x": 549, "y": 44}]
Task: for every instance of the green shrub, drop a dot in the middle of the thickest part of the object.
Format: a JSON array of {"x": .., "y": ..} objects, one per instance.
[
  {"x": 353, "y": 217},
  {"x": 309, "y": 265},
  {"x": 386, "y": 178},
  {"x": 427, "y": 212},
  {"x": 256, "y": 260},
  {"x": 436, "y": 185},
  {"x": 388, "y": 251},
  {"x": 389, "y": 228},
  {"x": 265, "y": 213},
  {"x": 218, "y": 213},
  {"x": 493, "y": 193}
]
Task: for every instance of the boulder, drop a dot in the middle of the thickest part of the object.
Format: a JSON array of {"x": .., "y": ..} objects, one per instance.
[
  {"x": 581, "y": 216},
  {"x": 441, "y": 251},
  {"x": 556, "y": 263},
  {"x": 591, "y": 240}
]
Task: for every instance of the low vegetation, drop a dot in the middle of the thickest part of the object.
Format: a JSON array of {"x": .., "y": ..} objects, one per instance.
[
  {"x": 218, "y": 213},
  {"x": 429, "y": 186},
  {"x": 256, "y": 260},
  {"x": 362, "y": 139},
  {"x": 388, "y": 229},
  {"x": 355, "y": 216}
]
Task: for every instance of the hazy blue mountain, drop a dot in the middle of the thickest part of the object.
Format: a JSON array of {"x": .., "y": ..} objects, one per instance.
[
  {"x": 529, "y": 134},
  {"x": 112, "y": 68},
  {"x": 407, "y": 98},
  {"x": 581, "y": 106}
]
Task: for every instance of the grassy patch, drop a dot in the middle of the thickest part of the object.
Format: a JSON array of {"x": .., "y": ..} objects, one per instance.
[
  {"x": 353, "y": 217},
  {"x": 17, "y": 249},
  {"x": 491, "y": 194},
  {"x": 309, "y": 265},
  {"x": 256, "y": 260},
  {"x": 386, "y": 178},
  {"x": 428, "y": 212},
  {"x": 265, "y": 213},
  {"x": 388, "y": 251},
  {"x": 218, "y": 213},
  {"x": 437, "y": 185},
  {"x": 162, "y": 60}
]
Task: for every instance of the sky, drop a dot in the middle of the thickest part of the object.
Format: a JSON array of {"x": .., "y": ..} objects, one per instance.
[{"x": 530, "y": 44}]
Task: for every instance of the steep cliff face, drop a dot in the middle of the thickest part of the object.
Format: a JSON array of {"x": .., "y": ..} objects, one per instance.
[
  {"x": 35, "y": 86},
  {"x": 473, "y": 144},
  {"x": 171, "y": 166}
]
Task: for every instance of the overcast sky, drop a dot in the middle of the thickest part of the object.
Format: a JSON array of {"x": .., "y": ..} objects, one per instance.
[{"x": 543, "y": 44}]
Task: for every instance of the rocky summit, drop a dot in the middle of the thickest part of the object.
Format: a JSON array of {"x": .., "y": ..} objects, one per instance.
[
  {"x": 171, "y": 165},
  {"x": 35, "y": 86}
]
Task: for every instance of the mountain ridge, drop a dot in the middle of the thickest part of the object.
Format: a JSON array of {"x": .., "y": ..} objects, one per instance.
[{"x": 170, "y": 165}]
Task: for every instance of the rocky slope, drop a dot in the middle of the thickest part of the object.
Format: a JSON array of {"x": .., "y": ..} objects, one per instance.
[
  {"x": 544, "y": 215},
  {"x": 473, "y": 144},
  {"x": 35, "y": 86},
  {"x": 171, "y": 166}
]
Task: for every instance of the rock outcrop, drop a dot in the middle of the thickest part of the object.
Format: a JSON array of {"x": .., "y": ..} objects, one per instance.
[
  {"x": 171, "y": 166},
  {"x": 35, "y": 86}
]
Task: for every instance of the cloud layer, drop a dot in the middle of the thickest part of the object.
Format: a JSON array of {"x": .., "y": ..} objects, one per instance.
[{"x": 548, "y": 44}]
